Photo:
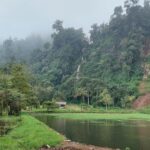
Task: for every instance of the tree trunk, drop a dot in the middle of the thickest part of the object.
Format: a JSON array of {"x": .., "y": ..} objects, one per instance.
[
  {"x": 88, "y": 99},
  {"x": 97, "y": 95},
  {"x": 1, "y": 108},
  {"x": 83, "y": 100}
]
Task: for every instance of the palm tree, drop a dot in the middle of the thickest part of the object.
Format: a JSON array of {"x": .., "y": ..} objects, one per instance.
[{"x": 82, "y": 92}]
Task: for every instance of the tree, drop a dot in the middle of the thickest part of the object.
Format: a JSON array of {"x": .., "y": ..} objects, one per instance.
[
  {"x": 16, "y": 100},
  {"x": 146, "y": 3},
  {"x": 81, "y": 92},
  {"x": 98, "y": 32},
  {"x": 58, "y": 25},
  {"x": 130, "y": 3},
  {"x": 43, "y": 93},
  {"x": 94, "y": 32},
  {"x": 118, "y": 11},
  {"x": 127, "y": 101},
  {"x": 106, "y": 98},
  {"x": 8, "y": 46},
  {"x": 21, "y": 81},
  {"x": 5, "y": 86},
  {"x": 15, "y": 90},
  {"x": 51, "y": 105}
]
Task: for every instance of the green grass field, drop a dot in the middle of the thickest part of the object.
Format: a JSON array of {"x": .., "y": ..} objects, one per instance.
[
  {"x": 30, "y": 134},
  {"x": 98, "y": 116}
]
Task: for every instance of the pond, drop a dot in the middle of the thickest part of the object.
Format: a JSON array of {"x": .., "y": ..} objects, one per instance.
[{"x": 104, "y": 133}]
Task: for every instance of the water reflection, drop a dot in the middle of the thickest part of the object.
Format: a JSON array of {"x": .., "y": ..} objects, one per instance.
[{"x": 107, "y": 133}]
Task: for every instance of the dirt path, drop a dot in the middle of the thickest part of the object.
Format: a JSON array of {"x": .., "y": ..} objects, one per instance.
[{"x": 76, "y": 146}]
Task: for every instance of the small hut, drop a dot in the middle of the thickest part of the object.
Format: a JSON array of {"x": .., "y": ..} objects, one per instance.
[{"x": 61, "y": 104}]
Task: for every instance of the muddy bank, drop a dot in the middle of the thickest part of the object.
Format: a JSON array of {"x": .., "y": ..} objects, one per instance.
[{"x": 75, "y": 146}]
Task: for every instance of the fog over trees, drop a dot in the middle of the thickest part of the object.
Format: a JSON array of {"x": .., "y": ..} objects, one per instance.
[{"x": 104, "y": 68}]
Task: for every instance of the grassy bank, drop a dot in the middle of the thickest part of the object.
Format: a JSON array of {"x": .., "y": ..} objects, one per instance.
[
  {"x": 84, "y": 109},
  {"x": 9, "y": 119},
  {"x": 8, "y": 123},
  {"x": 96, "y": 116},
  {"x": 145, "y": 110},
  {"x": 30, "y": 134}
]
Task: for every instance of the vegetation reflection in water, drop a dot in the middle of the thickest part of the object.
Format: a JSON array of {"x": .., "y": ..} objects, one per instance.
[{"x": 106, "y": 133}]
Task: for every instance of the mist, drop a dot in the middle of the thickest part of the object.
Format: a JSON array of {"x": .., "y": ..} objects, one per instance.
[{"x": 22, "y": 18}]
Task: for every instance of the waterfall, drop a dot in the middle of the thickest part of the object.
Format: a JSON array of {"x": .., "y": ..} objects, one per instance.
[
  {"x": 78, "y": 72},
  {"x": 78, "y": 69}
]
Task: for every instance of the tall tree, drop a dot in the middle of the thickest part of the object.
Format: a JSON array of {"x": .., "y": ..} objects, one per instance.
[{"x": 106, "y": 98}]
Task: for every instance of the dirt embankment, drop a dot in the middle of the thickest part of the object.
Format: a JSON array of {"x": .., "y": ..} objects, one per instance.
[
  {"x": 75, "y": 146},
  {"x": 142, "y": 101}
]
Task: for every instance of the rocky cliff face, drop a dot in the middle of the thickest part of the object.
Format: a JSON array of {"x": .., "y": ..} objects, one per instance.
[
  {"x": 144, "y": 87},
  {"x": 142, "y": 101}
]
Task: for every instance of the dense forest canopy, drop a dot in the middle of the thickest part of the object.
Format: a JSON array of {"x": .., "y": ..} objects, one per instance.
[{"x": 103, "y": 69}]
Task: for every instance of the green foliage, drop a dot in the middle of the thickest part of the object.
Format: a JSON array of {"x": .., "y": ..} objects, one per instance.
[
  {"x": 43, "y": 93},
  {"x": 106, "y": 98},
  {"x": 15, "y": 89},
  {"x": 74, "y": 68},
  {"x": 20, "y": 79},
  {"x": 51, "y": 105},
  {"x": 103, "y": 116},
  {"x": 127, "y": 101}
]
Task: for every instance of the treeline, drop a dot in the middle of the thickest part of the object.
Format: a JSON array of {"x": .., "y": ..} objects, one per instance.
[{"x": 102, "y": 70}]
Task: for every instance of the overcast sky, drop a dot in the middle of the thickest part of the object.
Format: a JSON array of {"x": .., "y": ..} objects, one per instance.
[{"x": 19, "y": 18}]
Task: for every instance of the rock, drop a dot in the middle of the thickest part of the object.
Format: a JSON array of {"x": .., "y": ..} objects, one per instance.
[
  {"x": 67, "y": 140},
  {"x": 48, "y": 146},
  {"x": 45, "y": 147}
]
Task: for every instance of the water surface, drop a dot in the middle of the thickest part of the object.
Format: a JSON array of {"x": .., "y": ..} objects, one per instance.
[{"x": 104, "y": 133}]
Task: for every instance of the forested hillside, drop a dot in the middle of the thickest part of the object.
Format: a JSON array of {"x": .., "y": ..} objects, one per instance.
[{"x": 106, "y": 68}]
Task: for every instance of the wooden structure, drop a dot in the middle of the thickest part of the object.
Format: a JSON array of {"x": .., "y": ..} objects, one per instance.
[{"x": 61, "y": 104}]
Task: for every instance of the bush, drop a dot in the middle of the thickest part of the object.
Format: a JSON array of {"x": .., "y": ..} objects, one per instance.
[{"x": 51, "y": 105}]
